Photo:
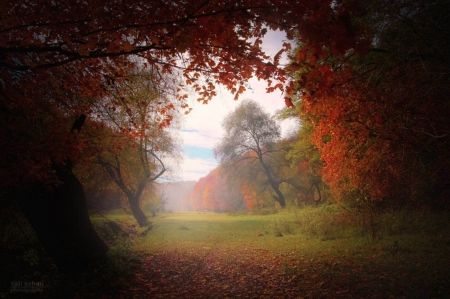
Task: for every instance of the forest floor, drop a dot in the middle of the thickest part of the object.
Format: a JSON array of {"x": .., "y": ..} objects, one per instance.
[{"x": 207, "y": 255}]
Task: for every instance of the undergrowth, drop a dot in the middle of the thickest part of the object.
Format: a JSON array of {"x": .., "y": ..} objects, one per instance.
[{"x": 323, "y": 251}]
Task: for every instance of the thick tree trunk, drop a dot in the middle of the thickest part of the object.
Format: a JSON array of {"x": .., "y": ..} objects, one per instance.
[
  {"x": 138, "y": 214},
  {"x": 61, "y": 222}
]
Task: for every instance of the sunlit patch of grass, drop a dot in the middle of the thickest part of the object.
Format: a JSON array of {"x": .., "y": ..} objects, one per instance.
[
  {"x": 323, "y": 252},
  {"x": 118, "y": 216},
  {"x": 203, "y": 230}
]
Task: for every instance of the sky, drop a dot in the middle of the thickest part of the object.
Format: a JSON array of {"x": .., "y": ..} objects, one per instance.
[{"x": 202, "y": 129}]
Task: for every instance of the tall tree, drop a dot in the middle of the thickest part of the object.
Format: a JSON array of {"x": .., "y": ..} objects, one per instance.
[
  {"x": 250, "y": 134},
  {"x": 303, "y": 165},
  {"x": 139, "y": 102}
]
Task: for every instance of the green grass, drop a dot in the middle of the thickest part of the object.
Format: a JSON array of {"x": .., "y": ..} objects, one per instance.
[
  {"x": 310, "y": 228},
  {"x": 324, "y": 251},
  {"x": 192, "y": 230}
]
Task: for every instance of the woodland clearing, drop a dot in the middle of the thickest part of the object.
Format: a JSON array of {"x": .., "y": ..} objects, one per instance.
[{"x": 322, "y": 253}]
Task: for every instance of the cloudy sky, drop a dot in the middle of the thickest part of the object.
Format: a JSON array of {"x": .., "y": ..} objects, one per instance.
[{"x": 202, "y": 128}]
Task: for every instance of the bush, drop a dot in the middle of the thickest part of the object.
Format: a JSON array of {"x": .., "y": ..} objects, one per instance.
[
  {"x": 285, "y": 226},
  {"x": 325, "y": 222}
]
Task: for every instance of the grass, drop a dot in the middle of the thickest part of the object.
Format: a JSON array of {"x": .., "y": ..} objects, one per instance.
[
  {"x": 312, "y": 228},
  {"x": 190, "y": 230},
  {"x": 324, "y": 252}
]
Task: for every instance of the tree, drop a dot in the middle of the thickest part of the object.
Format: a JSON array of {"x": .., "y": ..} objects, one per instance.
[
  {"x": 102, "y": 194},
  {"x": 140, "y": 103},
  {"x": 216, "y": 192},
  {"x": 380, "y": 114},
  {"x": 66, "y": 61},
  {"x": 249, "y": 136},
  {"x": 303, "y": 164},
  {"x": 55, "y": 68}
]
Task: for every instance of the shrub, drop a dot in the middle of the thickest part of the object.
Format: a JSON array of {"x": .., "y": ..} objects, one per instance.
[
  {"x": 325, "y": 222},
  {"x": 285, "y": 226}
]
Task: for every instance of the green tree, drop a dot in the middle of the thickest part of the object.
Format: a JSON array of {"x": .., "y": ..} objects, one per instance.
[{"x": 250, "y": 137}]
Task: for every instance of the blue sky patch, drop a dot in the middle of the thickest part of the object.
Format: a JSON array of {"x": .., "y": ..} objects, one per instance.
[{"x": 198, "y": 152}]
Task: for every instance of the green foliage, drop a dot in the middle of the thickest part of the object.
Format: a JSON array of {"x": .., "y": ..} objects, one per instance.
[
  {"x": 22, "y": 256},
  {"x": 31, "y": 256},
  {"x": 109, "y": 231},
  {"x": 283, "y": 226},
  {"x": 325, "y": 222},
  {"x": 18, "y": 241},
  {"x": 153, "y": 203},
  {"x": 152, "y": 207},
  {"x": 302, "y": 163}
]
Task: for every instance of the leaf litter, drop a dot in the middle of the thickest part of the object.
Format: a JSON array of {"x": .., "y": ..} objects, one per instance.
[{"x": 253, "y": 273}]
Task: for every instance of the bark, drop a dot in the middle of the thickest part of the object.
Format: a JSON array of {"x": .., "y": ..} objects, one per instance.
[
  {"x": 273, "y": 184},
  {"x": 320, "y": 195},
  {"x": 279, "y": 196},
  {"x": 140, "y": 217},
  {"x": 61, "y": 221},
  {"x": 132, "y": 195}
]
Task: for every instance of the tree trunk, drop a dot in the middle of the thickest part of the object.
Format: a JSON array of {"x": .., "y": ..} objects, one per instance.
[
  {"x": 279, "y": 196},
  {"x": 61, "y": 221},
  {"x": 320, "y": 195},
  {"x": 137, "y": 212}
]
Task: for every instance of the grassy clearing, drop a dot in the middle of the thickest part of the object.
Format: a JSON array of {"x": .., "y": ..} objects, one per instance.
[{"x": 324, "y": 252}]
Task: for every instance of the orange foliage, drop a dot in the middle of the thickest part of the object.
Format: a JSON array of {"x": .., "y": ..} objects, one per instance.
[
  {"x": 213, "y": 193},
  {"x": 249, "y": 195},
  {"x": 382, "y": 131},
  {"x": 56, "y": 67}
]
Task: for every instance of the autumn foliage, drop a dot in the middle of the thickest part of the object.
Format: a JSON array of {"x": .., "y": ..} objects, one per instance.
[
  {"x": 216, "y": 192},
  {"x": 249, "y": 195},
  {"x": 378, "y": 101},
  {"x": 368, "y": 75},
  {"x": 56, "y": 67}
]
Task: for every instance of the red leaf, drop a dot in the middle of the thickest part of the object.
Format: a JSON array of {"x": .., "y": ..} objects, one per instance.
[{"x": 288, "y": 102}]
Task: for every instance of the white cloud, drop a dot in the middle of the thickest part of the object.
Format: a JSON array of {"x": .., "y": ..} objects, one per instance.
[
  {"x": 192, "y": 169},
  {"x": 200, "y": 138}
]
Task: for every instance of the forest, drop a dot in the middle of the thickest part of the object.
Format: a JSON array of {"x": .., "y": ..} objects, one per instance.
[{"x": 353, "y": 203}]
